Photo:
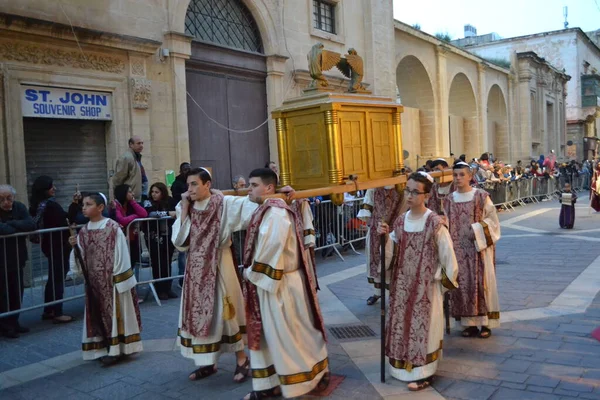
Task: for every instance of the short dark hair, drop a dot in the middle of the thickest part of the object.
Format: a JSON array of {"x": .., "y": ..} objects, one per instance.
[
  {"x": 96, "y": 198},
  {"x": 131, "y": 141},
  {"x": 417, "y": 177},
  {"x": 435, "y": 163},
  {"x": 266, "y": 175},
  {"x": 184, "y": 164},
  {"x": 463, "y": 157},
  {"x": 201, "y": 173}
]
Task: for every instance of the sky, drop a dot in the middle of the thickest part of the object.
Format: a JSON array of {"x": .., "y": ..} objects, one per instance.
[{"x": 508, "y": 18}]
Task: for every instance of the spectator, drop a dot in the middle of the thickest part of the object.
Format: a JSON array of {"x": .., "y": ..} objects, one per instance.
[
  {"x": 239, "y": 182},
  {"x": 47, "y": 214},
  {"x": 158, "y": 237},
  {"x": 130, "y": 171},
  {"x": 519, "y": 169},
  {"x": 273, "y": 167},
  {"x": 484, "y": 160},
  {"x": 463, "y": 158},
  {"x": 125, "y": 211},
  {"x": 180, "y": 185},
  {"x": 14, "y": 218}
]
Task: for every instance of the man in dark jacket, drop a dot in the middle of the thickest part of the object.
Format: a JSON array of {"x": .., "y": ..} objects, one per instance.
[
  {"x": 14, "y": 218},
  {"x": 180, "y": 185}
]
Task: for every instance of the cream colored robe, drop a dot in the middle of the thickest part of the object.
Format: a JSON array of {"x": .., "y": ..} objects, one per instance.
[
  {"x": 293, "y": 352},
  {"x": 124, "y": 325},
  {"x": 226, "y": 335},
  {"x": 447, "y": 262}
]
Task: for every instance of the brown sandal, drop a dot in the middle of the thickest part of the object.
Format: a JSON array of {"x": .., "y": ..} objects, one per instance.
[
  {"x": 471, "y": 331},
  {"x": 420, "y": 384},
  {"x": 203, "y": 372},
  {"x": 243, "y": 370},
  {"x": 485, "y": 332},
  {"x": 322, "y": 385}
]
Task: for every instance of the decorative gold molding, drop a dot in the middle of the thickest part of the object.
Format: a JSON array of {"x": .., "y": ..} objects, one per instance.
[
  {"x": 34, "y": 54},
  {"x": 140, "y": 93}
]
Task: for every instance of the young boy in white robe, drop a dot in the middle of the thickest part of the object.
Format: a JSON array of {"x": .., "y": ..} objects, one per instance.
[
  {"x": 475, "y": 229},
  {"x": 425, "y": 267},
  {"x": 112, "y": 322},
  {"x": 286, "y": 334},
  {"x": 211, "y": 318}
]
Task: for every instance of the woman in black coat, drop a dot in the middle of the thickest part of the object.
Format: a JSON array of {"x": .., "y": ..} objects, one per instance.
[
  {"x": 47, "y": 214},
  {"x": 158, "y": 237}
]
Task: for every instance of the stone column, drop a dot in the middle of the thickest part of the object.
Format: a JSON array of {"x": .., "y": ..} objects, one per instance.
[
  {"x": 482, "y": 115},
  {"x": 180, "y": 48},
  {"x": 442, "y": 125},
  {"x": 380, "y": 47},
  {"x": 514, "y": 137},
  {"x": 276, "y": 84}
]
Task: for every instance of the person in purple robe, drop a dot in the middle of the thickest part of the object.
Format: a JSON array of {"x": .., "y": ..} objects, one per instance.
[{"x": 566, "y": 220}]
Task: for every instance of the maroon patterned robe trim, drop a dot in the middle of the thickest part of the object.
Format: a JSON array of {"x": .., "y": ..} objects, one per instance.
[
  {"x": 98, "y": 248},
  {"x": 387, "y": 205},
  {"x": 411, "y": 292},
  {"x": 200, "y": 280},
  {"x": 253, "y": 314},
  {"x": 469, "y": 299}
]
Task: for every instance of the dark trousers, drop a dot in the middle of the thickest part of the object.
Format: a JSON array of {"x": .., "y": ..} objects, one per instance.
[
  {"x": 11, "y": 294},
  {"x": 161, "y": 253},
  {"x": 58, "y": 268}
]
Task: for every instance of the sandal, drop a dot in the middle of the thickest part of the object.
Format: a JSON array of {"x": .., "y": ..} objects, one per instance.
[
  {"x": 107, "y": 361},
  {"x": 485, "y": 332},
  {"x": 203, "y": 372},
  {"x": 373, "y": 299},
  {"x": 322, "y": 385},
  {"x": 63, "y": 319},
  {"x": 243, "y": 370},
  {"x": 263, "y": 394},
  {"x": 420, "y": 384},
  {"x": 471, "y": 331}
]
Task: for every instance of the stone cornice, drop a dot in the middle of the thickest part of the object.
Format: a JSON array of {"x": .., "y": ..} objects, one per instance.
[{"x": 41, "y": 28}]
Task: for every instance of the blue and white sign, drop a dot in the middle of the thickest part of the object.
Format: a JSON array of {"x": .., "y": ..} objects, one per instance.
[{"x": 51, "y": 102}]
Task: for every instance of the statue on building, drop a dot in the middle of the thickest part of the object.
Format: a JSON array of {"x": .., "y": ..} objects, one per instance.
[{"x": 351, "y": 66}]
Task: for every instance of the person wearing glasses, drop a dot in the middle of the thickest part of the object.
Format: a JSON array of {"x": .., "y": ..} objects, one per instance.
[
  {"x": 423, "y": 270},
  {"x": 475, "y": 229}
]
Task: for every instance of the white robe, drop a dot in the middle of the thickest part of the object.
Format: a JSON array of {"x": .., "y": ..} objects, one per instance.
[
  {"x": 490, "y": 218},
  {"x": 447, "y": 261},
  {"x": 293, "y": 352},
  {"x": 124, "y": 320},
  {"x": 225, "y": 335}
]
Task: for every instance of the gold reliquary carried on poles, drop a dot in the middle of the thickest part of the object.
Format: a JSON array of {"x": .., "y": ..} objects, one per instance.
[{"x": 325, "y": 137}]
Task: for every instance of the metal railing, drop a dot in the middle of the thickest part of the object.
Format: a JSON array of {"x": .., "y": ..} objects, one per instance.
[{"x": 34, "y": 266}]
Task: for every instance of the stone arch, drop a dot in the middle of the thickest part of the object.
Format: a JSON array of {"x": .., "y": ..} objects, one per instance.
[
  {"x": 260, "y": 12},
  {"x": 497, "y": 120},
  {"x": 462, "y": 110},
  {"x": 417, "y": 96}
]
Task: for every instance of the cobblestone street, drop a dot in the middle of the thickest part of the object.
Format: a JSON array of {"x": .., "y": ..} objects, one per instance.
[{"x": 548, "y": 281}]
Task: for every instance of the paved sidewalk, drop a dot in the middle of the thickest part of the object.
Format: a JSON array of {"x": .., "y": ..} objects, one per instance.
[{"x": 548, "y": 281}]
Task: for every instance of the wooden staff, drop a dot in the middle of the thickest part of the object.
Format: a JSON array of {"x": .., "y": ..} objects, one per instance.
[
  {"x": 92, "y": 310},
  {"x": 383, "y": 271}
]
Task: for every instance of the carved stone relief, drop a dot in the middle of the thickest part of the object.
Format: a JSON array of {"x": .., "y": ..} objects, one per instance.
[
  {"x": 138, "y": 67},
  {"x": 140, "y": 93},
  {"x": 34, "y": 54}
]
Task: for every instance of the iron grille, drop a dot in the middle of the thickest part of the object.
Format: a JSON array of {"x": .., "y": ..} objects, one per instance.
[
  {"x": 352, "y": 332},
  {"x": 324, "y": 16},
  {"x": 223, "y": 22}
]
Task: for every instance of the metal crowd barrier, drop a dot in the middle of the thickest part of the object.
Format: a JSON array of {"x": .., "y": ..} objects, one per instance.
[{"x": 155, "y": 260}]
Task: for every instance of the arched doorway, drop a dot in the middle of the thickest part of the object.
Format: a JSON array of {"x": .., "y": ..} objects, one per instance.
[
  {"x": 416, "y": 94},
  {"x": 226, "y": 84},
  {"x": 497, "y": 125},
  {"x": 463, "y": 117}
]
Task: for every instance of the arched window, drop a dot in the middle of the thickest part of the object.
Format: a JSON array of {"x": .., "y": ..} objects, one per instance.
[{"x": 223, "y": 22}]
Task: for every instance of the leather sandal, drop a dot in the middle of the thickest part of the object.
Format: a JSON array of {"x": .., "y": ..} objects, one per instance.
[
  {"x": 373, "y": 299},
  {"x": 203, "y": 372},
  {"x": 322, "y": 385},
  {"x": 471, "y": 331},
  {"x": 263, "y": 394},
  {"x": 243, "y": 370},
  {"x": 485, "y": 332},
  {"x": 420, "y": 384}
]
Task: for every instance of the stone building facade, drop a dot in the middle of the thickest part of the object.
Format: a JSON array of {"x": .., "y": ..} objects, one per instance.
[
  {"x": 570, "y": 51},
  {"x": 195, "y": 79}
]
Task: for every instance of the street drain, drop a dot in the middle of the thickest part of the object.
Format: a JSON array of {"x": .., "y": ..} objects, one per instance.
[{"x": 352, "y": 332}]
